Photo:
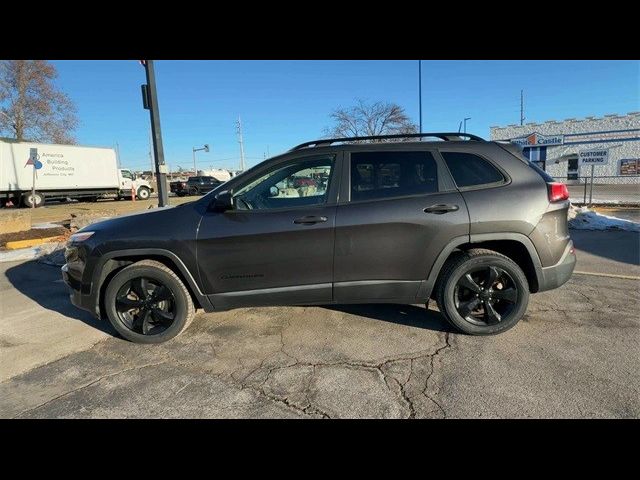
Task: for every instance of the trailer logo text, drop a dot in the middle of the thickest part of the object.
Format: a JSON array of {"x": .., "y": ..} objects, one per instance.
[{"x": 56, "y": 165}]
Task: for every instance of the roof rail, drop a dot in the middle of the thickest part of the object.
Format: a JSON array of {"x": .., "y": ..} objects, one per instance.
[{"x": 446, "y": 136}]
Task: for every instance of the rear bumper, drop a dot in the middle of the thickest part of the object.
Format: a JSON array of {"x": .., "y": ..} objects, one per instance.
[{"x": 558, "y": 274}]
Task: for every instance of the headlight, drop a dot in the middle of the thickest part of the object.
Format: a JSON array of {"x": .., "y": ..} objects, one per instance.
[{"x": 80, "y": 237}]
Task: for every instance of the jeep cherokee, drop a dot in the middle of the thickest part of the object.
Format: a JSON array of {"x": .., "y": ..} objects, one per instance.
[{"x": 470, "y": 223}]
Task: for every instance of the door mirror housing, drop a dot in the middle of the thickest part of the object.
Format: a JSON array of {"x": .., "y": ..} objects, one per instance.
[
  {"x": 222, "y": 202},
  {"x": 274, "y": 191}
]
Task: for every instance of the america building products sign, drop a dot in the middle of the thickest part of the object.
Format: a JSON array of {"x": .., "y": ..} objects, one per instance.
[{"x": 538, "y": 140}]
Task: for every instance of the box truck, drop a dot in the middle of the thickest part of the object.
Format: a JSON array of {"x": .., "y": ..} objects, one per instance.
[{"x": 63, "y": 171}]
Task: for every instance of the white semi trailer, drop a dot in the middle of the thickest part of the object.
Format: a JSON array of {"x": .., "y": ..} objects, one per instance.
[{"x": 66, "y": 171}]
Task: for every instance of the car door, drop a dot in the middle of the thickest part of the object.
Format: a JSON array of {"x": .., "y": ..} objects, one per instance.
[
  {"x": 126, "y": 180},
  {"x": 398, "y": 210},
  {"x": 276, "y": 245}
]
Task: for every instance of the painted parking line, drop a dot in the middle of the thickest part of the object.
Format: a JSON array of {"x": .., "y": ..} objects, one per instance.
[{"x": 595, "y": 274}]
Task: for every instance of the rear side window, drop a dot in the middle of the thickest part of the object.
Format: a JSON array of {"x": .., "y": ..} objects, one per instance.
[
  {"x": 377, "y": 175},
  {"x": 470, "y": 170}
]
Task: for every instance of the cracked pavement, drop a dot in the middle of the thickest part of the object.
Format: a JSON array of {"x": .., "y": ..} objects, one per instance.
[{"x": 575, "y": 354}]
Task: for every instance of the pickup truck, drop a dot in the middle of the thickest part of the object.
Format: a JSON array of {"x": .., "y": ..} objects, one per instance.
[{"x": 194, "y": 186}]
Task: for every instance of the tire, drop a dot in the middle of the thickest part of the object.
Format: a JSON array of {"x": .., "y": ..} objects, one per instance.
[
  {"x": 505, "y": 307},
  {"x": 180, "y": 194},
  {"x": 132, "y": 326},
  {"x": 90, "y": 199},
  {"x": 28, "y": 202},
  {"x": 194, "y": 191},
  {"x": 143, "y": 193}
]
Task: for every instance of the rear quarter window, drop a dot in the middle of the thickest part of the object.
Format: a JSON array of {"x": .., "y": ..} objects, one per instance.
[{"x": 470, "y": 170}]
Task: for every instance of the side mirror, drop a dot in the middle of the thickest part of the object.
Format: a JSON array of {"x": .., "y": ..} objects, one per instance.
[
  {"x": 222, "y": 202},
  {"x": 274, "y": 191}
]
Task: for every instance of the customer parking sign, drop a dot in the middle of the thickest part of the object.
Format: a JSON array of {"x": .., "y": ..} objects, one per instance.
[{"x": 594, "y": 156}]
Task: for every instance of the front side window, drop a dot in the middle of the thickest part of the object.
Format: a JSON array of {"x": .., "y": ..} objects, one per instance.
[
  {"x": 377, "y": 175},
  {"x": 302, "y": 182},
  {"x": 127, "y": 174},
  {"x": 469, "y": 170}
]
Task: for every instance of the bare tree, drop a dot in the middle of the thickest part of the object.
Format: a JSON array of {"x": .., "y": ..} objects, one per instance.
[
  {"x": 368, "y": 119},
  {"x": 31, "y": 106}
]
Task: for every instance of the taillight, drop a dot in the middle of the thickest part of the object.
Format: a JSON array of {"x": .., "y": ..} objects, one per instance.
[{"x": 557, "y": 191}]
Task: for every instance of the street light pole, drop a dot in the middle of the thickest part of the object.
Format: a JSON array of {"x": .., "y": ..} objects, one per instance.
[
  {"x": 206, "y": 149},
  {"x": 465, "y": 124}
]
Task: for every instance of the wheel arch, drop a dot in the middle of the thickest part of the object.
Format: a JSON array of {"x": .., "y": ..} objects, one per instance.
[
  {"x": 111, "y": 263},
  {"x": 516, "y": 246}
]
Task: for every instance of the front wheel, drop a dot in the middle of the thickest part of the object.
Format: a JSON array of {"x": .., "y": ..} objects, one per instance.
[
  {"x": 143, "y": 193},
  {"x": 482, "y": 292},
  {"x": 146, "y": 302}
]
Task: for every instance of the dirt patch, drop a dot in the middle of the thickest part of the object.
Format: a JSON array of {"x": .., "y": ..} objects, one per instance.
[{"x": 61, "y": 232}]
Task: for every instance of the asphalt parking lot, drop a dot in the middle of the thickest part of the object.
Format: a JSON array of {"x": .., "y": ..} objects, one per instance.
[{"x": 573, "y": 355}]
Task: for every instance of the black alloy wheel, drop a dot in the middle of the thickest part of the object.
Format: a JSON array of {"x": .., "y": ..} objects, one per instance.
[
  {"x": 146, "y": 306},
  {"x": 482, "y": 292},
  {"x": 486, "y": 295}
]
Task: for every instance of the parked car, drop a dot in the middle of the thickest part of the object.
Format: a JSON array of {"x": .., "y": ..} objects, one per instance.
[
  {"x": 195, "y": 186},
  {"x": 304, "y": 182},
  {"x": 470, "y": 223}
]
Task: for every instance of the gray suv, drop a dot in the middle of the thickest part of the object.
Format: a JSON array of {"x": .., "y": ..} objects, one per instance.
[{"x": 395, "y": 219}]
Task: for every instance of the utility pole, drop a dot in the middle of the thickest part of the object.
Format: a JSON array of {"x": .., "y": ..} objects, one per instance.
[
  {"x": 521, "y": 107},
  {"x": 420, "y": 91},
  {"x": 150, "y": 102},
  {"x": 118, "y": 154},
  {"x": 239, "y": 129}
]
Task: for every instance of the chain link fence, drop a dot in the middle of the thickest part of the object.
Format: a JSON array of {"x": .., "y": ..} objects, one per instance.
[{"x": 621, "y": 190}]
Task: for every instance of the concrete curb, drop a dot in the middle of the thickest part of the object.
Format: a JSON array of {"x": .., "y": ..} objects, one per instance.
[
  {"x": 33, "y": 242},
  {"x": 32, "y": 253}
]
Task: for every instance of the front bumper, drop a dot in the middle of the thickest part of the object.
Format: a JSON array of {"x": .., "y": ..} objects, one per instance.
[
  {"x": 558, "y": 274},
  {"x": 80, "y": 300}
]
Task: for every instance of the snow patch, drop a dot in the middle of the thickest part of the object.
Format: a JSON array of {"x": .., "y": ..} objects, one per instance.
[{"x": 581, "y": 218}]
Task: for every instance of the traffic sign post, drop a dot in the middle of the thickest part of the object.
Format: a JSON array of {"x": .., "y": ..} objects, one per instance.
[
  {"x": 33, "y": 159},
  {"x": 593, "y": 157},
  {"x": 150, "y": 102}
]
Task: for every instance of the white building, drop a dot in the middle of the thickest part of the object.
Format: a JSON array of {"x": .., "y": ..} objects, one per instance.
[{"x": 555, "y": 145}]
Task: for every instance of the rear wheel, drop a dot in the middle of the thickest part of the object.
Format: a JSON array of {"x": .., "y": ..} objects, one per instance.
[
  {"x": 482, "y": 292},
  {"x": 146, "y": 302},
  {"x": 28, "y": 200}
]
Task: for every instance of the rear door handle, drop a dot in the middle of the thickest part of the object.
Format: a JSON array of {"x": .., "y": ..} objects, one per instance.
[
  {"x": 309, "y": 220},
  {"x": 441, "y": 208}
]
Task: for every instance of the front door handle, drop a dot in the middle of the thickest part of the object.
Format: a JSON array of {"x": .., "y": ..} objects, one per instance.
[
  {"x": 310, "y": 220},
  {"x": 441, "y": 208}
]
